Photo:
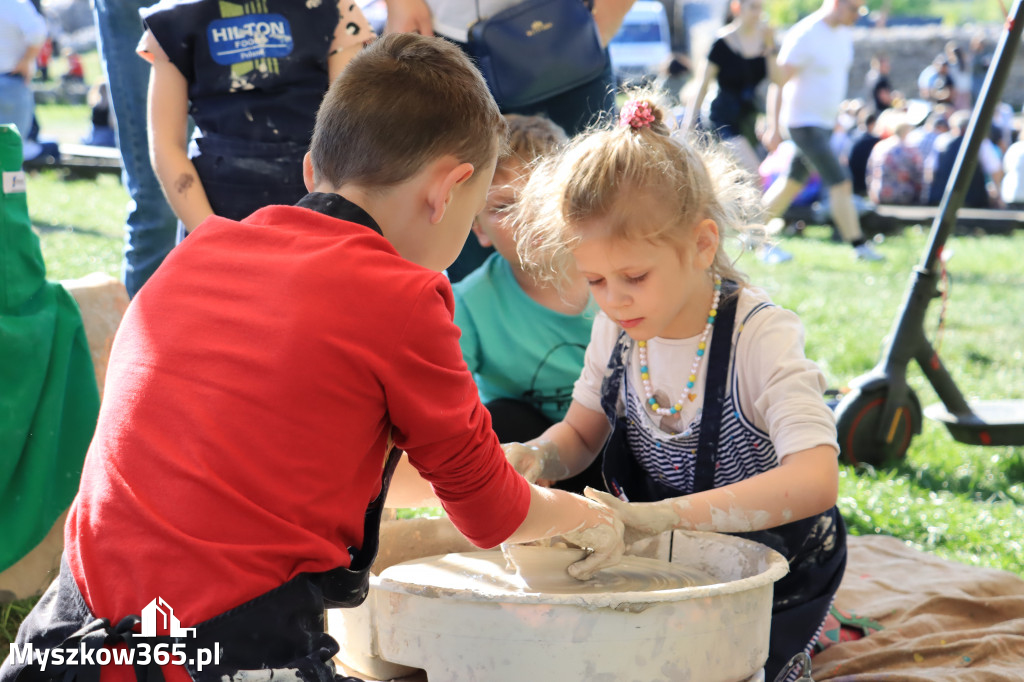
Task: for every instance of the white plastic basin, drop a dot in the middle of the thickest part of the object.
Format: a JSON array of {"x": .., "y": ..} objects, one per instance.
[{"x": 457, "y": 619}]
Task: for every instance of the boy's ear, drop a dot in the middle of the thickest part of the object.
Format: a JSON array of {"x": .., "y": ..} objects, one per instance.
[
  {"x": 707, "y": 238},
  {"x": 481, "y": 236},
  {"x": 449, "y": 177},
  {"x": 307, "y": 172}
]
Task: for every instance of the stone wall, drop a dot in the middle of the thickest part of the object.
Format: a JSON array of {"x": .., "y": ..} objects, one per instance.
[{"x": 912, "y": 48}]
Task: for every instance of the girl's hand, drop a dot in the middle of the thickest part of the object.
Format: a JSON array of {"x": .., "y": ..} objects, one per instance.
[
  {"x": 538, "y": 460},
  {"x": 641, "y": 519},
  {"x": 602, "y": 534}
]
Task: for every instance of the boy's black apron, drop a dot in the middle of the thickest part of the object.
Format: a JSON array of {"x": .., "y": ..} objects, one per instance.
[
  {"x": 802, "y": 598},
  {"x": 278, "y": 635}
]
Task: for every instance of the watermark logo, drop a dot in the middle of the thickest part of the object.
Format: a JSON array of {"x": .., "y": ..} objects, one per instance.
[
  {"x": 160, "y": 610},
  {"x": 157, "y": 615}
]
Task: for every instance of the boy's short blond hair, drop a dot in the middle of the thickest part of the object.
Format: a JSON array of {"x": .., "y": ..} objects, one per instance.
[
  {"x": 401, "y": 102},
  {"x": 530, "y": 138}
]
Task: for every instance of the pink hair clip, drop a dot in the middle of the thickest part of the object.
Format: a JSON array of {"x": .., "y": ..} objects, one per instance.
[{"x": 636, "y": 114}]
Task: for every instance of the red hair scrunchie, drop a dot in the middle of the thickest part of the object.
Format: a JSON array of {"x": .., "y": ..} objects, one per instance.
[{"x": 636, "y": 114}]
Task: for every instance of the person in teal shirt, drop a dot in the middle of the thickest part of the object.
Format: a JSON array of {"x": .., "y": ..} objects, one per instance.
[{"x": 523, "y": 341}]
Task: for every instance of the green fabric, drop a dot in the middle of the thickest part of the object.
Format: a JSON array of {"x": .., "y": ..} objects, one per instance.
[{"x": 48, "y": 394}]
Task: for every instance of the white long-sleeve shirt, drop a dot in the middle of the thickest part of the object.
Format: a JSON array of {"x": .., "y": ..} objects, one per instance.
[{"x": 780, "y": 389}]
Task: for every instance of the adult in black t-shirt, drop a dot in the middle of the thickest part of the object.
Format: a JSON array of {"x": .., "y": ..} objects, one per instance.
[
  {"x": 741, "y": 57},
  {"x": 863, "y": 142},
  {"x": 877, "y": 83}
]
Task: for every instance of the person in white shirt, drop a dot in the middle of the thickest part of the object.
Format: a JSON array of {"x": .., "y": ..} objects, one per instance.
[
  {"x": 22, "y": 33},
  {"x": 814, "y": 64},
  {"x": 1012, "y": 188}
]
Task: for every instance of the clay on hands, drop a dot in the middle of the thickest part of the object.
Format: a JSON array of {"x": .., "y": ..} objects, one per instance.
[
  {"x": 603, "y": 540},
  {"x": 535, "y": 461},
  {"x": 642, "y": 519}
]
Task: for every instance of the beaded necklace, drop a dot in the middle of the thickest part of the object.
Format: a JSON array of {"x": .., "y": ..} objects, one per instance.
[{"x": 689, "y": 393}]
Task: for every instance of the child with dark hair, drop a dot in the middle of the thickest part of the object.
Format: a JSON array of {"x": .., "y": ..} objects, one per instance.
[
  {"x": 265, "y": 381},
  {"x": 522, "y": 338},
  {"x": 101, "y": 133}
]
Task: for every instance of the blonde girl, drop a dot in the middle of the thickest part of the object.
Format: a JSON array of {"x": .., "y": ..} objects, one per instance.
[{"x": 695, "y": 390}]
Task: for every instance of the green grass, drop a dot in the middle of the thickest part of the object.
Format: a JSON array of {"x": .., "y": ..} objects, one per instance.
[
  {"x": 80, "y": 223},
  {"x": 63, "y": 123},
  {"x": 961, "y": 502},
  {"x": 67, "y": 123},
  {"x": 952, "y": 12},
  {"x": 11, "y": 615}
]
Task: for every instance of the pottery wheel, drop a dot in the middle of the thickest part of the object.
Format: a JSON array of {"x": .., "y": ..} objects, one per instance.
[{"x": 485, "y": 574}]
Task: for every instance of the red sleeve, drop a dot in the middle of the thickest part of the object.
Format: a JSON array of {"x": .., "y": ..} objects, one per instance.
[{"x": 435, "y": 408}]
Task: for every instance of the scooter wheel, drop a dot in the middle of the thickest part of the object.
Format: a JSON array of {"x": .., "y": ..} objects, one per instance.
[{"x": 857, "y": 423}]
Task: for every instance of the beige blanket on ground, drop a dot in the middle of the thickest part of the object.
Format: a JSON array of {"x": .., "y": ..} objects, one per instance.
[{"x": 943, "y": 620}]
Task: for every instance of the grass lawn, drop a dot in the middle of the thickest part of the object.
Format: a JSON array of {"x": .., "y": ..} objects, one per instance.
[{"x": 961, "y": 502}]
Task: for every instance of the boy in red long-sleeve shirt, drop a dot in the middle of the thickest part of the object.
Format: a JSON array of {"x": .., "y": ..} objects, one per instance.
[{"x": 261, "y": 381}]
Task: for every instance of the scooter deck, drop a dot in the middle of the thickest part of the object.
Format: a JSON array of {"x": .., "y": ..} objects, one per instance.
[{"x": 991, "y": 422}]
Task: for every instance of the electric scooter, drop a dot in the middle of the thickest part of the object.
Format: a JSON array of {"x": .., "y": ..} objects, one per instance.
[{"x": 878, "y": 418}]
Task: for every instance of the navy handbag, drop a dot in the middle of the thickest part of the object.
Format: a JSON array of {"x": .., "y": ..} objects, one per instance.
[{"x": 536, "y": 50}]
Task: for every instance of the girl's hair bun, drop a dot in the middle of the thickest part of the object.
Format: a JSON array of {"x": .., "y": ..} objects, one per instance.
[
  {"x": 644, "y": 109},
  {"x": 637, "y": 113}
]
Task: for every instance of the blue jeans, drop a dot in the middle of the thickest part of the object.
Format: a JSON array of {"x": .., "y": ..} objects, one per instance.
[
  {"x": 151, "y": 225},
  {"x": 16, "y": 103}
]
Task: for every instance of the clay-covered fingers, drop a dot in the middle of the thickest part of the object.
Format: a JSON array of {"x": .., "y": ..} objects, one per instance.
[
  {"x": 641, "y": 519},
  {"x": 602, "y": 536},
  {"x": 525, "y": 459},
  {"x": 536, "y": 460}
]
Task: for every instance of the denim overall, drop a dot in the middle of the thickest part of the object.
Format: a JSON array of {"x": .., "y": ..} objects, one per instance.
[
  {"x": 815, "y": 547},
  {"x": 278, "y": 635},
  {"x": 242, "y": 176}
]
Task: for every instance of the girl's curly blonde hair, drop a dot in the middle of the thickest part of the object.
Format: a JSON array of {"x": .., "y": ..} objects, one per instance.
[{"x": 642, "y": 182}]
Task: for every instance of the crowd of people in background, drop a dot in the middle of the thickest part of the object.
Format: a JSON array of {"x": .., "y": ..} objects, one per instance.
[
  {"x": 885, "y": 146},
  {"x": 901, "y": 151},
  {"x": 896, "y": 147}
]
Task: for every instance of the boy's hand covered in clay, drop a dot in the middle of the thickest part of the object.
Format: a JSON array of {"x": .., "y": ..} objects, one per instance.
[
  {"x": 602, "y": 534},
  {"x": 536, "y": 461},
  {"x": 642, "y": 519}
]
